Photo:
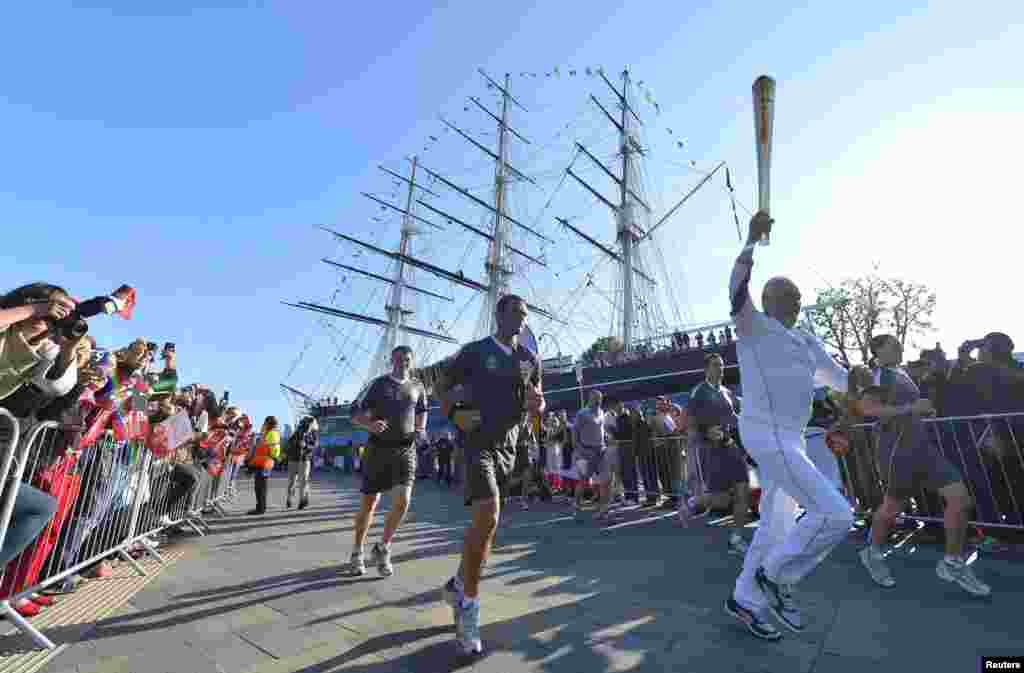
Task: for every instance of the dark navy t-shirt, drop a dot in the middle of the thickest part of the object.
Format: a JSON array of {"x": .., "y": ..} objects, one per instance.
[
  {"x": 397, "y": 404},
  {"x": 497, "y": 382}
]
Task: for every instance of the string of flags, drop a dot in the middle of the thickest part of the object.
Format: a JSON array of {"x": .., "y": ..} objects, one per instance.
[{"x": 644, "y": 90}]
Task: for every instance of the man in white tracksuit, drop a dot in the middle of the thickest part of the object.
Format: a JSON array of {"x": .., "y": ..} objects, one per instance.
[{"x": 779, "y": 367}]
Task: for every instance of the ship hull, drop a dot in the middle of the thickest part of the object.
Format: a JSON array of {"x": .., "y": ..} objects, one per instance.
[{"x": 661, "y": 374}]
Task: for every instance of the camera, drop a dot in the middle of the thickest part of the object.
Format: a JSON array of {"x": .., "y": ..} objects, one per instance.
[{"x": 73, "y": 326}]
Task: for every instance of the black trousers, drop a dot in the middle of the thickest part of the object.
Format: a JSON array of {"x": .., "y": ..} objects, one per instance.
[
  {"x": 444, "y": 467},
  {"x": 260, "y": 486},
  {"x": 627, "y": 463},
  {"x": 648, "y": 471},
  {"x": 663, "y": 459}
]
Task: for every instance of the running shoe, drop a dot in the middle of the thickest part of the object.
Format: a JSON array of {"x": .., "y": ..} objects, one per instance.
[
  {"x": 467, "y": 625},
  {"x": 453, "y": 597},
  {"x": 382, "y": 557},
  {"x": 875, "y": 564},
  {"x": 357, "y": 565},
  {"x": 780, "y": 601},
  {"x": 737, "y": 545},
  {"x": 957, "y": 571},
  {"x": 749, "y": 619}
]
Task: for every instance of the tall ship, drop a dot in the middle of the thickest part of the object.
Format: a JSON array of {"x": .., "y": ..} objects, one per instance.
[{"x": 569, "y": 221}]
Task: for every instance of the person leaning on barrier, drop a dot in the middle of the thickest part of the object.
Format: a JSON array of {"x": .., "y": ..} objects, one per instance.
[
  {"x": 643, "y": 449},
  {"x": 28, "y": 354},
  {"x": 667, "y": 450},
  {"x": 623, "y": 434},
  {"x": 995, "y": 385},
  {"x": 909, "y": 461}
]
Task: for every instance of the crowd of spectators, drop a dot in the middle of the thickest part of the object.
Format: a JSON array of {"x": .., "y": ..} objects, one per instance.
[
  {"x": 674, "y": 344},
  {"x": 106, "y": 402}
]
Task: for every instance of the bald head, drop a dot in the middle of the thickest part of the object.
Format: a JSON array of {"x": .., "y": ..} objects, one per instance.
[{"x": 781, "y": 300}]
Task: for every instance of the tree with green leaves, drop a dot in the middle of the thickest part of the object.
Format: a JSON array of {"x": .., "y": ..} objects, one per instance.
[
  {"x": 605, "y": 344},
  {"x": 859, "y": 308}
]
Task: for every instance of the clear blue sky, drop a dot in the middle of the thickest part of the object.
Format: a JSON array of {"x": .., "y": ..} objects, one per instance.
[{"x": 188, "y": 152}]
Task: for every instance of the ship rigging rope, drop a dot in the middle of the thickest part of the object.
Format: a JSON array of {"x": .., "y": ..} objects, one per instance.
[
  {"x": 339, "y": 358},
  {"x": 573, "y": 296},
  {"x": 311, "y": 334},
  {"x": 338, "y": 362}
]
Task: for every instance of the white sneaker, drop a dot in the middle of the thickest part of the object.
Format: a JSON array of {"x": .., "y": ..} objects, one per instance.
[
  {"x": 737, "y": 545},
  {"x": 357, "y": 565},
  {"x": 382, "y": 557},
  {"x": 453, "y": 597},
  {"x": 780, "y": 601},
  {"x": 961, "y": 573},
  {"x": 468, "y": 628},
  {"x": 876, "y": 567}
]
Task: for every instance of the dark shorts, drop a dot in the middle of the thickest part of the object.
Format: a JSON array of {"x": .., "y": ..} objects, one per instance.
[
  {"x": 385, "y": 467},
  {"x": 588, "y": 463},
  {"x": 487, "y": 471},
  {"x": 723, "y": 467},
  {"x": 907, "y": 468}
]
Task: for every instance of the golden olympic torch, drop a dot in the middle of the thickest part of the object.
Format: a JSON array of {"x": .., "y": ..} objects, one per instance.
[{"x": 764, "y": 119}]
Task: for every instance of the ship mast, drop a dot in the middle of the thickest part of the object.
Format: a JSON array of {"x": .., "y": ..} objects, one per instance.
[
  {"x": 635, "y": 282},
  {"x": 497, "y": 271},
  {"x": 626, "y": 236},
  {"x": 498, "y": 264}
]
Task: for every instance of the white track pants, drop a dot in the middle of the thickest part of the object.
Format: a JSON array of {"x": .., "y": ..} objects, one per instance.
[{"x": 788, "y": 550}]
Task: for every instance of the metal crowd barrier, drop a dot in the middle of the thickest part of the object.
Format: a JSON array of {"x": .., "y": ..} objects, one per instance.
[
  {"x": 986, "y": 450},
  {"x": 112, "y": 498},
  {"x": 650, "y": 471}
]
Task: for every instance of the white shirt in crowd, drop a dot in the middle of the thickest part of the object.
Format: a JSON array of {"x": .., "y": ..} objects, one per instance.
[{"x": 589, "y": 429}]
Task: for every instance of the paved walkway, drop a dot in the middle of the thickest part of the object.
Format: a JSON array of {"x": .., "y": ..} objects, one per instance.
[{"x": 268, "y": 595}]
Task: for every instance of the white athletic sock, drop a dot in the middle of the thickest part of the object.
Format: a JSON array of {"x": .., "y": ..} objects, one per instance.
[
  {"x": 952, "y": 558},
  {"x": 876, "y": 550},
  {"x": 467, "y": 601},
  {"x": 358, "y": 551}
]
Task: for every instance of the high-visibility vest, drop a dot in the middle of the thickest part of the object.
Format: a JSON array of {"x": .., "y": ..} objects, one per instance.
[{"x": 265, "y": 454}]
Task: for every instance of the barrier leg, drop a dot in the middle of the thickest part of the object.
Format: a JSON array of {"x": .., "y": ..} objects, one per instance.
[
  {"x": 35, "y": 634},
  {"x": 127, "y": 558},
  {"x": 918, "y": 527}
]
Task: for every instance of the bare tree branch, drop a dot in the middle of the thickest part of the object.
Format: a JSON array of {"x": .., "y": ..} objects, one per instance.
[{"x": 859, "y": 308}]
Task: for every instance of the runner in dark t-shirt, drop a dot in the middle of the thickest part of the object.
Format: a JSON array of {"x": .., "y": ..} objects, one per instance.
[
  {"x": 394, "y": 409},
  {"x": 502, "y": 381},
  {"x": 909, "y": 461}
]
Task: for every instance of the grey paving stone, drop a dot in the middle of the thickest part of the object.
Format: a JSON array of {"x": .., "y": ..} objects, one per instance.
[
  {"x": 231, "y": 652},
  {"x": 267, "y": 595},
  {"x": 282, "y": 640}
]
